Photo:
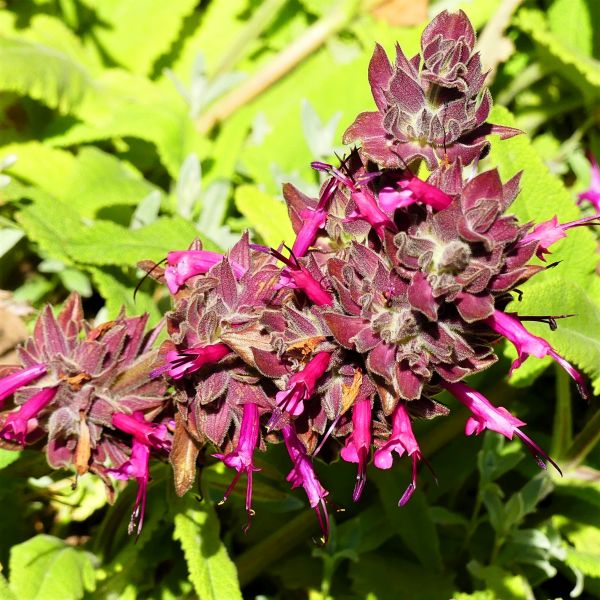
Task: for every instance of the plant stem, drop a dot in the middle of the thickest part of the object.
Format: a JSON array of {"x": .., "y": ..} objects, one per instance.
[
  {"x": 283, "y": 63},
  {"x": 254, "y": 561},
  {"x": 527, "y": 77},
  {"x": 492, "y": 44},
  {"x": 260, "y": 20},
  {"x": 583, "y": 443},
  {"x": 562, "y": 434}
]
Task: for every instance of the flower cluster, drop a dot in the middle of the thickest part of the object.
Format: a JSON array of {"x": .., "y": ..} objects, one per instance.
[
  {"x": 394, "y": 290},
  {"x": 85, "y": 392}
]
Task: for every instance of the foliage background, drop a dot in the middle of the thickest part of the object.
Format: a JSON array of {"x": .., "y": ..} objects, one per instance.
[{"x": 128, "y": 128}]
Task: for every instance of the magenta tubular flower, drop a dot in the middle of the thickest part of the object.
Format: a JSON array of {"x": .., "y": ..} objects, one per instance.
[
  {"x": 358, "y": 443},
  {"x": 365, "y": 201},
  {"x": 298, "y": 276},
  {"x": 528, "y": 344},
  {"x": 301, "y": 386},
  {"x": 11, "y": 383},
  {"x": 313, "y": 221},
  {"x": 402, "y": 439},
  {"x": 136, "y": 467},
  {"x": 17, "y": 424},
  {"x": 549, "y": 232},
  {"x": 487, "y": 416},
  {"x": 425, "y": 192},
  {"x": 303, "y": 474},
  {"x": 182, "y": 362},
  {"x": 183, "y": 264},
  {"x": 242, "y": 458},
  {"x": 150, "y": 434},
  {"x": 592, "y": 195}
]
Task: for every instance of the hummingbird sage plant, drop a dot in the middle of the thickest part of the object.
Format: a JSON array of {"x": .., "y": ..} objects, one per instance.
[{"x": 395, "y": 289}]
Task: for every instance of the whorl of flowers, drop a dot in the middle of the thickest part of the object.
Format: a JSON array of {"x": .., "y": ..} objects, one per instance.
[
  {"x": 394, "y": 290},
  {"x": 84, "y": 392}
]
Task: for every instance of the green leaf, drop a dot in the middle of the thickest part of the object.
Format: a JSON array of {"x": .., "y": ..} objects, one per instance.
[
  {"x": 557, "y": 55},
  {"x": 561, "y": 290},
  {"x": 577, "y": 338},
  {"x": 50, "y": 223},
  {"x": 46, "y": 568},
  {"x": 211, "y": 570},
  {"x": 106, "y": 243},
  {"x": 5, "y": 592},
  {"x": 587, "y": 563},
  {"x": 7, "y": 457},
  {"x": 503, "y": 584},
  {"x": 571, "y": 21},
  {"x": 118, "y": 292},
  {"x": 135, "y": 34},
  {"x": 131, "y": 105},
  {"x": 385, "y": 577},
  {"x": 412, "y": 523},
  {"x": 268, "y": 215},
  {"x": 43, "y": 73}
]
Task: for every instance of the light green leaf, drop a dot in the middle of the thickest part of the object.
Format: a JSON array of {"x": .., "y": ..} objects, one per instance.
[
  {"x": 106, "y": 243},
  {"x": 44, "y": 73},
  {"x": 131, "y": 105},
  {"x": 587, "y": 563},
  {"x": 577, "y": 338},
  {"x": 135, "y": 34},
  {"x": 7, "y": 457},
  {"x": 118, "y": 292},
  {"x": 503, "y": 584},
  {"x": 561, "y": 290},
  {"x": 5, "y": 592},
  {"x": 211, "y": 570},
  {"x": 46, "y": 568},
  {"x": 571, "y": 21},
  {"x": 50, "y": 223},
  {"x": 556, "y": 53},
  {"x": 268, "y": 215}
]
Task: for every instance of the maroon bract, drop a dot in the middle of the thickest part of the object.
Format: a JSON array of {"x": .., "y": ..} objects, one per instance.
[{"x": 432, "y": 107}]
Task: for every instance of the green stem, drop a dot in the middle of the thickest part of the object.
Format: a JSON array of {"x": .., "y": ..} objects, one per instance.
[
  {"x": 254, "y": 561},
  {"x": 260, "y": 20},
  {"x": 528, "y": 76},
  {"x": 562, "y": 434},
  {"x": 583, "y": 443},
  {"x": 312, "y": 39}
]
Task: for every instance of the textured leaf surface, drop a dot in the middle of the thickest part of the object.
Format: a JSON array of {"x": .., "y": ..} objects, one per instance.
[
  {"x": 43, "y": 73},
  {"x": 266, "y": 213},
  {"x": 581, "y": 70},
  {"x": 106, "y": 243},
  {"x": 135, "y": 34},
  {"x": 46, "y": 568},
  {"x": 564, "y": 289},
  {"x": 88, "y": 182},
  {"x": 211, "y": 570}
]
